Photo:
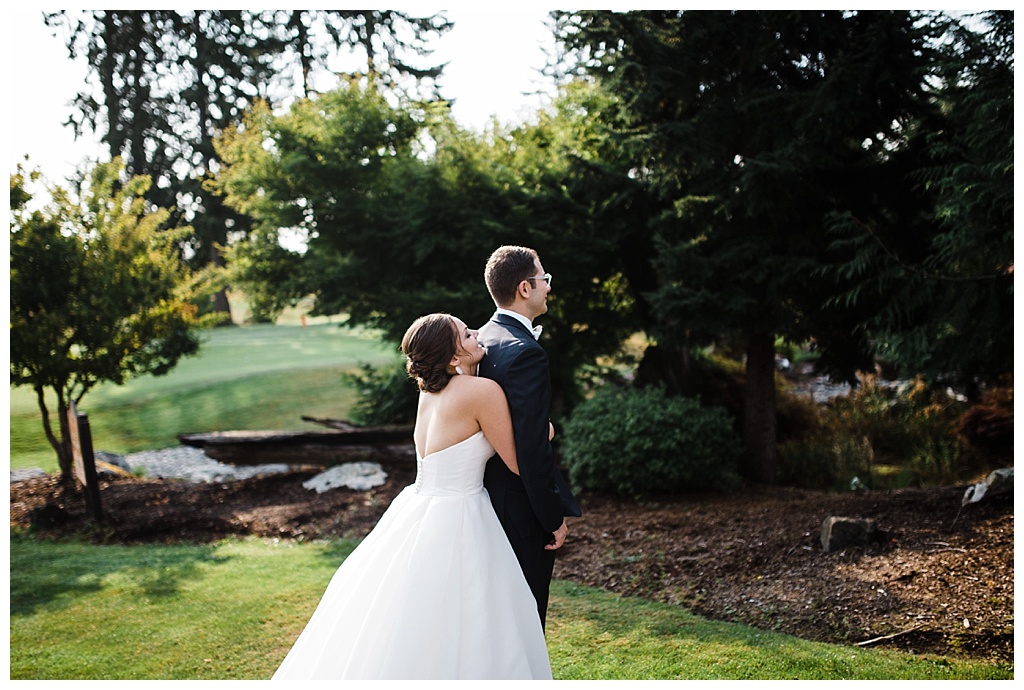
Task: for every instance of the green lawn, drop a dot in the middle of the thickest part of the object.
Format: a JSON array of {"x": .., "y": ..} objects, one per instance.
[
  {"x": 231, "y": 610},
  {"x": 252, "y": 377}
]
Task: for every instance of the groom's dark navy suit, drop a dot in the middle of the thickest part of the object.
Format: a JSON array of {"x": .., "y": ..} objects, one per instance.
[{"x": 532, "y": 505}]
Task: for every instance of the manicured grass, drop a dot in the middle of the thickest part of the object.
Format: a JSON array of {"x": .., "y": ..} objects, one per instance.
[
  {"x": 593, "y": 634},
  {"x": 252, "y": 377},
  {"x": 221, "y": 611},
  {"x": 231, "y": 610}
]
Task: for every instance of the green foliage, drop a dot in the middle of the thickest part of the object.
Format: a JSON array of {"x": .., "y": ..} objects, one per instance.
[
  {"x": 747, "y": 129},
  {"x": 935, "y": 288},
  {"x": 98, "y": 293},
  {"x": 386, "y": 395},
  {"x": 886, "y": 436},
  {"x": 394, "y": 229},
  {"x": 898, "y": 421},
  {"x": 173, "y": 79},
  {"x": 813, "y": 453},
  {"x": 824, "y": 461},
  {"x": 640, "y": 441}
]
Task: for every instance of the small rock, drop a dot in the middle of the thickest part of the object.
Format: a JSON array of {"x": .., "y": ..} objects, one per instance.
[
  {"x": 108, "y": 464},
  {"x": 359, "y": 476}
]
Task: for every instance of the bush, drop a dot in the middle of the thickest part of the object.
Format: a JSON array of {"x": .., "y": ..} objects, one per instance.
[
  {"x": 386, "y": 395},
  {"x": 899, "y": 421},
  {"x": 911, "y": 426},
  {"x": 987, "y": 428},
  {"x": 824, "y": 461},
  {"x": 639, "y": 441}
]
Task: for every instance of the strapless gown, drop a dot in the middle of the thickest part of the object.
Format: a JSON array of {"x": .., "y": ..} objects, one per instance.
[{"x": 433, "y": 592}]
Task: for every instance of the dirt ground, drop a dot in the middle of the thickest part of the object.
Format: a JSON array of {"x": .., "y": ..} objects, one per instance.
[{"x": 931, "y": 586}]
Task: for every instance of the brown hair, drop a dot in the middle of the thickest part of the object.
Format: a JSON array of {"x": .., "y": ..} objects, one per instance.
[
  {"x": 506, "y": 269},
  {"x": 429, "y": 345}
]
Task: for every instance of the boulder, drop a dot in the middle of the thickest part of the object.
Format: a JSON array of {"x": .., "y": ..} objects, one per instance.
[
  {"x": 109, "y": 464},
  {"x": 997, "y": 482},
  {"x": 837, "y": 533}
]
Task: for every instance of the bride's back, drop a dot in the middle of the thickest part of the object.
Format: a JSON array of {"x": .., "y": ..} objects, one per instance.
[{"x": 446, "y": 417}]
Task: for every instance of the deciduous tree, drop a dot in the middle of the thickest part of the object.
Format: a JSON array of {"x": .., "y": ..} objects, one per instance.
[{"x": 98, "y": 293}]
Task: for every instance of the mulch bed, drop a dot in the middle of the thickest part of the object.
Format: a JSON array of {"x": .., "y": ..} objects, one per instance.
[{"x": 931, "y": 586}]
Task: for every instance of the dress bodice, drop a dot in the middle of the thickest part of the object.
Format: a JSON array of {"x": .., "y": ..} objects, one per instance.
[{"x": 457, "y": 470}]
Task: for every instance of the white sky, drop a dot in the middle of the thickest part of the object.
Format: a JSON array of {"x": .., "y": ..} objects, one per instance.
[{"x": 494, "y": 57}]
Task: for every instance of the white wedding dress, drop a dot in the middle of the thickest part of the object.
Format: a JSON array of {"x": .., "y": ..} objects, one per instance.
[{"x": 433, "y": 592}]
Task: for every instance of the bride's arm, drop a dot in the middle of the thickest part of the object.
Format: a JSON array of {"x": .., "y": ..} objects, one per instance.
[{"x": 496, "y": 421}]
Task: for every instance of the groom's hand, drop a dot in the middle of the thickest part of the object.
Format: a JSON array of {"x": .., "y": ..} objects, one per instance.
[{"x": 559, "y": 537}]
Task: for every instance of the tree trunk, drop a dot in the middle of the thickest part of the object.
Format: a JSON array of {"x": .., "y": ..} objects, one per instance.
[
  {"x": 666, "y": 364},
  {"x": 61, "y": 445},
  {"x": 759, "y": 432},
  {"x": 221, "y": 305}
]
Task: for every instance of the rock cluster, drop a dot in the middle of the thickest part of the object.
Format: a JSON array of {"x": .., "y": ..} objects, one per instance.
[{"x": 191, "y": 464}]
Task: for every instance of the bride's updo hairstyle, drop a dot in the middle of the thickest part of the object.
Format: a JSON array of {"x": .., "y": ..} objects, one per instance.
[{"x": 429, "y": 345}]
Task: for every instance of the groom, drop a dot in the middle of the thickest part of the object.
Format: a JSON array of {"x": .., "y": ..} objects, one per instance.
[{"x": 531, "y": 506}]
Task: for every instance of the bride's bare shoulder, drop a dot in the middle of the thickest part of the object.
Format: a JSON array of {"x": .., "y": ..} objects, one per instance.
[{"x": 480, "y": 388}]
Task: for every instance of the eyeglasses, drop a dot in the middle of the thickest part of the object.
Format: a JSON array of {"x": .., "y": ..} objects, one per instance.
[{"x": 546, "y": 278}]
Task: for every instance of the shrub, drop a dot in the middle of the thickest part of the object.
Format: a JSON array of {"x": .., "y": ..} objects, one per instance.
[
  {"x": 386, "y": 395},
  {"x": 799, "y": 417},
  {"x": 901, "y": 420},
  {"x": 987, "y": 428},
  {"x": 824, "y": 461},
  {"x": 911, "y": 426},
  {"x": 638, "y": 441}
]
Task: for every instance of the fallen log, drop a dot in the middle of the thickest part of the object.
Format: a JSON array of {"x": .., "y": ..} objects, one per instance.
[
  {"x": 323, "y": 448},
  {"x": 342, "y": 424}
]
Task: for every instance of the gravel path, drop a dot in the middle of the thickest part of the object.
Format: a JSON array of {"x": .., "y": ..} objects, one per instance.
[
  {"x": 182, "y": 462},
  {"x": 185, "y": 462}
]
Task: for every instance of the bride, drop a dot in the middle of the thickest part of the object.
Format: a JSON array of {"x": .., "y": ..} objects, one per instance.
[{"x": 434, "y": 591}]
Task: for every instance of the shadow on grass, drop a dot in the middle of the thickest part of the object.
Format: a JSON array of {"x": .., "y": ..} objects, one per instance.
[{"x": 52, "y": 574}]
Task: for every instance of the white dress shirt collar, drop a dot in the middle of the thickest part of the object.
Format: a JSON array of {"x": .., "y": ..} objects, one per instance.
[{"x": 522, "y": 319}]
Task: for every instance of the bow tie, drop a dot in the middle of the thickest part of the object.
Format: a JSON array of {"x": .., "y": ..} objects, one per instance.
[{"x": 536, "y": 332}]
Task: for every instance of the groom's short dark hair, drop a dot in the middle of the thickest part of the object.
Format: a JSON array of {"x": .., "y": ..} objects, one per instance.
[{"x": 506, "y": 269}]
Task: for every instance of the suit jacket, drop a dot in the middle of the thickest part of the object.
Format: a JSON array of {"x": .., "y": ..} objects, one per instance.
[{"x": 520, "y": 366}]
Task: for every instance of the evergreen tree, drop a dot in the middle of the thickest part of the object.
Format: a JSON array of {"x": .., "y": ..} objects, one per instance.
[
  {"x": 750, "y": 129},
  {"x": 172, "y": 80},
  {"x": 941, "y": 298}
]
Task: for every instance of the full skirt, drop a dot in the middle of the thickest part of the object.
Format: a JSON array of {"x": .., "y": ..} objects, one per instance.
[{"x": 433, "y": 592}]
